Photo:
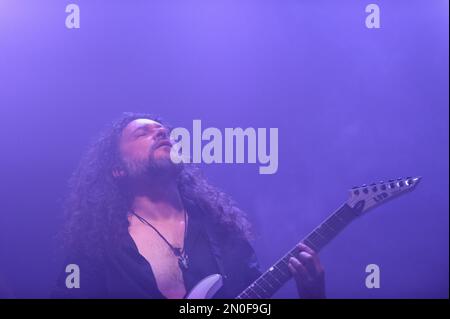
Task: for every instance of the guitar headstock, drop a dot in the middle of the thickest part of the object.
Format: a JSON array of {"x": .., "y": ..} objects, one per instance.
[{"x": 365, "y": 197}]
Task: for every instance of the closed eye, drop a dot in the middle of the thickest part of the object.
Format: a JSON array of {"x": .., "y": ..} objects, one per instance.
[
  {"x": 144, "y": 131},
  {"x": 140, "y": 134}
]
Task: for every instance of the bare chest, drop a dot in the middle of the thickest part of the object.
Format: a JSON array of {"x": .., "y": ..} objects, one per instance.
[{"x": 164, "y": 263}]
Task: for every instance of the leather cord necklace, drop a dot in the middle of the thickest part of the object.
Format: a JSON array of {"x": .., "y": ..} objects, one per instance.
[{"x": 180, "y": 253}]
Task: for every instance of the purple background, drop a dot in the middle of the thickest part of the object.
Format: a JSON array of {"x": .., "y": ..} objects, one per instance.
[{"x": 352, "y": 106}]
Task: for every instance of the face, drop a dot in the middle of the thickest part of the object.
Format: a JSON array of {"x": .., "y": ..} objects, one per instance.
[{"x": 144, "y": 146}]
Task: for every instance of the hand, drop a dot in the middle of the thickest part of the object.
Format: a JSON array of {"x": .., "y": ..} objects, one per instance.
[{"x": 308, "y": 273}]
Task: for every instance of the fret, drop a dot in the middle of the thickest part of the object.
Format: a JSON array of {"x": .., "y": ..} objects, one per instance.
[
  {"x": 309, "y": 243},
  {"x": 337, "y": 219},
  {"x": 324, "y": 232},
  {"x": 347, "y": 214},
  {"x": 245, "y": 294},
  {"x": 242, "y": 296},
  {"x": 258, "y": 292},
  {"x": 275, "y": 273},
  {"x": 270, "y": 282},
  {"x": 253, "y": 294},
  {"x": 285, "y": 262},
  {"x": 283, "y": 272},
  {"x": 319, "y": 232},
  {"x": 275, "y": 270},
  {"x": 274, "y": 280},
  {"x": 315, "y": 240},
  {"x": 265, "y": 286},
  {"x": 259, "y": 289},
  {"x": 274, "y": 277},
  {"x": 314, "y": 237},
  {"x": 337, "y": 222},
  {"x": 327, "y": 225},
  {"x": 248, "y": 295}
]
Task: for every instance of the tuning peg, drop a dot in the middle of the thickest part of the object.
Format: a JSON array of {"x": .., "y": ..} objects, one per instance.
[
  {"x": 374, "y": 187},
  {"x": 411, "y": 180}
]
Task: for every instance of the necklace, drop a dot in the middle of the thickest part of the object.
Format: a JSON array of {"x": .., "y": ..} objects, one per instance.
[{"x": 180, "y": 253}]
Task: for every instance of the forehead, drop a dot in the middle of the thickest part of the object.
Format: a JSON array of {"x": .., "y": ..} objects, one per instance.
[{"x": 139, "y": 124}]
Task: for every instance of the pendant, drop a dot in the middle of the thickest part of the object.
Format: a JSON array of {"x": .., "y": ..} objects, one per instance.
[
  {"x": 183, "y": 262},
  {"x": 182, "y": 258}
]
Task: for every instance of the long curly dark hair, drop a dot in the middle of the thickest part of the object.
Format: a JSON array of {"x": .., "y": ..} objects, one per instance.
[{"x": 96, "y": 206}]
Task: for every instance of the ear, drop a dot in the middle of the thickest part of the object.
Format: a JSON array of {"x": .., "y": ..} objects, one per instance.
[{"x": 118, "y": 172}]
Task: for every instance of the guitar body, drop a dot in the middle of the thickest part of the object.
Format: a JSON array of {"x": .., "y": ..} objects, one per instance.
[{"x": 206, "y": 288}]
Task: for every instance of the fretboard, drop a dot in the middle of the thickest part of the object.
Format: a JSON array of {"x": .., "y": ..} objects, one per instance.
[{"x": 277, "y": 275}]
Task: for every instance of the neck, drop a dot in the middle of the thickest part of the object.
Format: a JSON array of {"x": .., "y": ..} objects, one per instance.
[{"x": 158, "y": 200}]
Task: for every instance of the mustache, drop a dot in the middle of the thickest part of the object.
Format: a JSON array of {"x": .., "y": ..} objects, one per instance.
[{"x": 163, "y": 141}]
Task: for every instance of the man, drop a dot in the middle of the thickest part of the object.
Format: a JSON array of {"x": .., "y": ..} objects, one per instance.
[{"x": 140, "y": 226}]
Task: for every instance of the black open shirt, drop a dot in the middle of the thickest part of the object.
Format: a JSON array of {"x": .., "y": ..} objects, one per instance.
[{"x": 124, "y": 273}]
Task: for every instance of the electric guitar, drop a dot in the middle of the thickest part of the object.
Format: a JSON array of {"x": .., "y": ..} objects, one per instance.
[{"x": 361, "y": 199}]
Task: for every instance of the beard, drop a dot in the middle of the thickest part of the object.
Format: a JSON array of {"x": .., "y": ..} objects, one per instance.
[{"x": 152, "y": 168}]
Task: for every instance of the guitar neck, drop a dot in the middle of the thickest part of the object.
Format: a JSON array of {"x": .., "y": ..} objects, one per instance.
[{"x": 277, "y": 275}]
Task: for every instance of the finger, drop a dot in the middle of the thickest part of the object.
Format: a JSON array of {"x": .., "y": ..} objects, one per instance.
[
  {"x": 315, "y": 257},
  {"x": 299, "y": 269},
  {"x": 304, "y": 247},
  {"x": 307, "y": 261},
  {"x": 292, "y": 269}
]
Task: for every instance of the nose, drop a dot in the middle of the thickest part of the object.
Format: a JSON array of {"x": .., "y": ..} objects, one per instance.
[{"x": 162, "y": 133}]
